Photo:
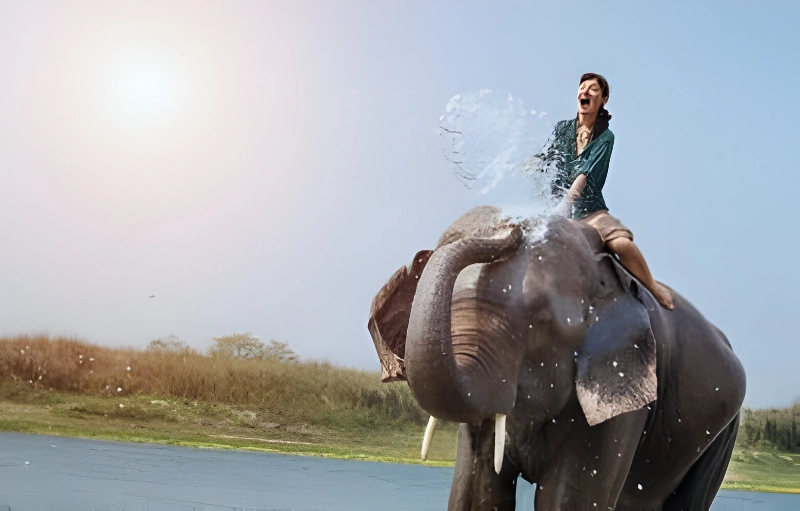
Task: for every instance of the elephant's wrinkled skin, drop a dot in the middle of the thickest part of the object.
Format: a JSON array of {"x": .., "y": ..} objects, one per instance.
[{"x": 612, "y": 402}]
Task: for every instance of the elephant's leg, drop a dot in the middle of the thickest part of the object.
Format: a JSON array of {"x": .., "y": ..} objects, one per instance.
[
  {"x": 700, "y": 485},
  {"x": 590, "y": 465},
  {"x": 476, "y": 486}
]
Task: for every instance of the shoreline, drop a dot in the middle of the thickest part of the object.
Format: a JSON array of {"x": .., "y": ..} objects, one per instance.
[{"x": 204, "y": 426}]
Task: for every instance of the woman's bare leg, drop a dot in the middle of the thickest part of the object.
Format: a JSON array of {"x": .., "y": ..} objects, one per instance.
[{"x": 631, "y": 257}]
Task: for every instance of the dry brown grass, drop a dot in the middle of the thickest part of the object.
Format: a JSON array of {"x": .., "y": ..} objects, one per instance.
[{"x": 312, "y": 390}]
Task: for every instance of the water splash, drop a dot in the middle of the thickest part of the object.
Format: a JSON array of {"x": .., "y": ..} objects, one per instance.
[{"x": 494, "y": 145}]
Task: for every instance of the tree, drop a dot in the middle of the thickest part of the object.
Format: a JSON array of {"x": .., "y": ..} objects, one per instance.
[
  {"x": 280, "y": 351},
  {"x": 244, "y": 345},
  {"x": 169, "y": 344},
  {"x": 249, "y": 346}
]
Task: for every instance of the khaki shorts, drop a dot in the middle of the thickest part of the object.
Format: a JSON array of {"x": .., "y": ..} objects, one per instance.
[{"x": 608, "y": 226}]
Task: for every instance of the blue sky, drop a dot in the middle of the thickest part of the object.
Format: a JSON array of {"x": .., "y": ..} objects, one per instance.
[{"x": 282, "y": 161}]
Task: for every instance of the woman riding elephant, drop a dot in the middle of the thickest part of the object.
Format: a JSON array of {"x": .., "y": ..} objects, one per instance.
[{"x": 581, "y": 151}]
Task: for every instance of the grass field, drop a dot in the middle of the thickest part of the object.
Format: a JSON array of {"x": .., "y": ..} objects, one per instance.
[
  {"x": 68, "y": 388},
  {"x": 754, "y": 470}
]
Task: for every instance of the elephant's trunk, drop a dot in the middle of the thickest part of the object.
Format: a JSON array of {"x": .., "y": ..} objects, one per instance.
[{"x": 432, "y": 370}]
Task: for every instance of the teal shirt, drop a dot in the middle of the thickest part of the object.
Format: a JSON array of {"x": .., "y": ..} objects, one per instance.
[{"x": 593, "y": 161}]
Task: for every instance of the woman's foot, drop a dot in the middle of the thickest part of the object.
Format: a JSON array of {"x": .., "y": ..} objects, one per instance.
[
  {"x": 632, "y": 259},
  {"x": 663, "y": 295}
]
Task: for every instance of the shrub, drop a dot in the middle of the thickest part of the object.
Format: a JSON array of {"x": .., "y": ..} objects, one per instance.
[{"x": 274, "y": 380}]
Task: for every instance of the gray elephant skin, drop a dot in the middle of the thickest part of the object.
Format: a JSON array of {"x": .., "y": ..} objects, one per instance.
[{"x": 609, "y": 400}]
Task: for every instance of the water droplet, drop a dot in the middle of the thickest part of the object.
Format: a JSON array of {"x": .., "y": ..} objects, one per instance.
[
  {"x": 636, "y": 346},
  {"x": 530, "y": 326},
  {"x": 119, "y": 389},
  {"x": 575, "y": 353},
  {"x": 621, "y": 375},
  {"x": 27, "y": 462},
  {"x": 469, "y": 394},
  {"x": 551, "y": 385},
  {"x": 639, "y": 486},
  {"x": 542, "y": 364},
  {"x": 128, "y": 368},
  {"x": 594, "y": 471},
  {"x": 540, "y": 258},
  {"x": 554, "y": 421},
  {"x": 716, "y": 389},
  {"x": 619, "y": 455},
  {"x": 121, "y": 405},
  {"x": 569, "y": 321},
  {"x": 708, "y": 432},
  {"x": 556, "y": 364},
  {"x": 503, "y": 380},
  {"x": 529, "y": 396},
  {"x": 615, "y": 363},
  {"x": 505, "y": 290}
]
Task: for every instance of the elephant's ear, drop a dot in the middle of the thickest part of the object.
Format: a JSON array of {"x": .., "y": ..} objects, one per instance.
[
  {"x": 616, "y": 370},
  {"x": 389, "y": 316}
]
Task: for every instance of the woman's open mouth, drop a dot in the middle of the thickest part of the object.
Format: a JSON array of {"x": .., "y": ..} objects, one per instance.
[{"x": 585, "y": 102}]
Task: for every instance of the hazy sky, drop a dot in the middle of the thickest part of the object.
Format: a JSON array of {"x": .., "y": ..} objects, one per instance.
[{"x": 266, "y": 166}]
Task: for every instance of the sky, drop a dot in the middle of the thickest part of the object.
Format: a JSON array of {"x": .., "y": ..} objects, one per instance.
[{"x": 265, "y": 167}]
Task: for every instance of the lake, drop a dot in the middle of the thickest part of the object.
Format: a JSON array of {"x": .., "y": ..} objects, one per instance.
[{"x": 49, "y": 473}]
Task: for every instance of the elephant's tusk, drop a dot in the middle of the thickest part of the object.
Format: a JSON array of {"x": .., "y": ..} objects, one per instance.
[
  {"x": 426, "y": 440},
  {"x": 499, "y": 441}
]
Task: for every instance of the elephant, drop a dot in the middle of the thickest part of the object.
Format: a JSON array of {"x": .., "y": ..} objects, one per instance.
[{"x": 559, "y": 366}]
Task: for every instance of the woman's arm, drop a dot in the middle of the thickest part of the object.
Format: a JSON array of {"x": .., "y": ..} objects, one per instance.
[
  {"x": 565, "y": 207},
  {"x": 576, "y": 189}
]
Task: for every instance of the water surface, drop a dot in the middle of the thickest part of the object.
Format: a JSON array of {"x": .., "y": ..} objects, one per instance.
[{"x": 49, "y": 473}]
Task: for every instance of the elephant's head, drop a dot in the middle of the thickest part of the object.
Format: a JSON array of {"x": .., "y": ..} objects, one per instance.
[{"x": 467, "y": 323}]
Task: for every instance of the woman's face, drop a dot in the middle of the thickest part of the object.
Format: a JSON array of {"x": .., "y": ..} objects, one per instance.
[{"x": 590, "y": 98}]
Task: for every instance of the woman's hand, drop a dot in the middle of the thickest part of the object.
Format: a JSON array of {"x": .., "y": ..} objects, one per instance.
[{"x": 564, "y": 208}]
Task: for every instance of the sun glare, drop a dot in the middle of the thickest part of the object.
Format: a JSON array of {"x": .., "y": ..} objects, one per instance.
[{"x": 144, "y": 90}]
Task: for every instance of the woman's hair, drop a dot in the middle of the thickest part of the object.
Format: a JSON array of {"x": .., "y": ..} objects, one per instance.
[{"x": 603, "y": 83}]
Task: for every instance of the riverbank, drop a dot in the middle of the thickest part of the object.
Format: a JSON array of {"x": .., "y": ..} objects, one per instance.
[
  {"x": 169, "y": 421},
  {"x": 165, "y": 420}
]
